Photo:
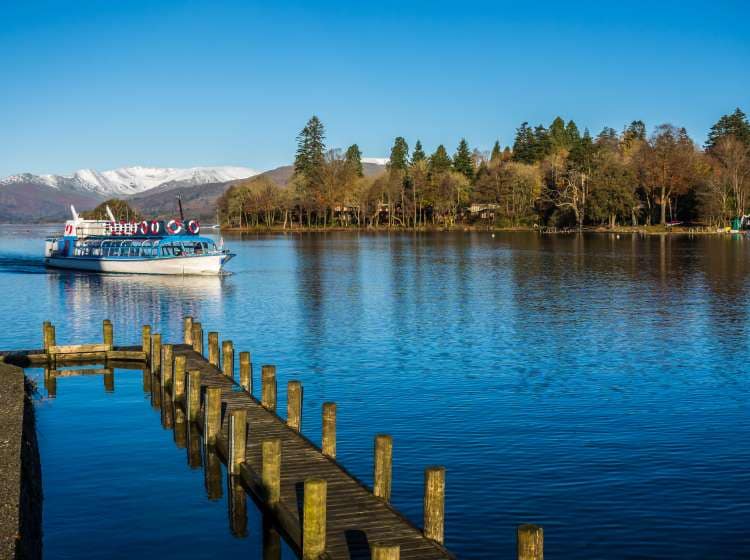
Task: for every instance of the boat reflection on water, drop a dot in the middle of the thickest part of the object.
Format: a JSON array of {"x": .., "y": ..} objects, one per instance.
[{"x": 142, "y": 299}]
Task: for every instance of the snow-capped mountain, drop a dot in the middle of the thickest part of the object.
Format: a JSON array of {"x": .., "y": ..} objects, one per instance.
[
  {"x": 127, "y": 181},
  {"x": 376, "y": 160}
]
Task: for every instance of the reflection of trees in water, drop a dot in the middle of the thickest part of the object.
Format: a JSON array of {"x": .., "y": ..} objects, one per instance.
[
  {"x": 133, "y": 300},
  {"x": 328, "y": 272},
  {"x": 659, "y": 294}
]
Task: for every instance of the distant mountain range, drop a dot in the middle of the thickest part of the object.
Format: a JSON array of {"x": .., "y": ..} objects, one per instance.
[
  {"x": 152, "y": 190},
  {"x": 200, "y": 200}
]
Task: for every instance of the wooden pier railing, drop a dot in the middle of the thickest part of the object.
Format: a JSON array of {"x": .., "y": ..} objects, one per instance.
[{"x": 322, "y": 510}]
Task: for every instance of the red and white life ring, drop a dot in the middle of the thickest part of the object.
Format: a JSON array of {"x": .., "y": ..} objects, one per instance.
[
  {"x": 155, "y": 227},
  {"x": 143, "y": 227},
  {"x": 193, "y": 227},
  {"x": 174, "y": 227},
  {"x": 68, "y": 229}
]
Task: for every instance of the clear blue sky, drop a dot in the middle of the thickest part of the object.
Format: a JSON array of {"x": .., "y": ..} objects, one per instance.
[{"x": 104, "y": 84}]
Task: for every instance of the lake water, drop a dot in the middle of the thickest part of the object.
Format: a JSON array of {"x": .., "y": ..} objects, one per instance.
[{"x": 595, "y": 385}]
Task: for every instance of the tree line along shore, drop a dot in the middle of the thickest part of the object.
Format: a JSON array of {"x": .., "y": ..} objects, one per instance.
[{"x": 552, "y": 178}]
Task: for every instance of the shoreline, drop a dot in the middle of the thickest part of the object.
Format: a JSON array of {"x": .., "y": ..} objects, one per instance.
[{"x": 640, "y": 230}]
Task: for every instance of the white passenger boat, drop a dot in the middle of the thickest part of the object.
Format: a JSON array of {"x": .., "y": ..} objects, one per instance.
[{"x": 147, "y": 247}]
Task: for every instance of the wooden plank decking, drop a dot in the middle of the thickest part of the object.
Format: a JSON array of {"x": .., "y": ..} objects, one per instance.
[{"x": 356, "y": 519}]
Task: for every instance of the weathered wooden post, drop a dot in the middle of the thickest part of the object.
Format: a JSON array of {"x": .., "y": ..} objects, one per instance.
[
  {"x": 271, "y": 469},
  {"x": 227, "y": 358},
  {"x": 328, "y": 444},
  {"x": 52, "y": 336},
  {"x": 268, "y": 382},
  {"x": 50, "y": 340},
  {"x": 384, "y": 552},
  {"x": 178, "y": 383},
  {"x": 294, "y": 405},
  {"x": 434, "y": 503},
  {"x": 314, "y": 519},
  {"x": 45, "y": 334},
  {"x": 108, "y": 334},
  {"x": 237, "y": 440},
  {"x": 187, "y": 330},
  {"x": 194, "y": 395},
  {"x": 49, "y": 337},
  {"x": 383, "y": 466},
  {"x": 530, "y": 542},
  {"x": 198, "y": 338},
  {"x": 155, "y": 353},
  {"x": 167, "y": 365},
  {"x": 246, "y": 372},
  {"x": 146, "y": 340},
  {"x": 212, "y": 414},
  {"x": 213, "y": 348}
]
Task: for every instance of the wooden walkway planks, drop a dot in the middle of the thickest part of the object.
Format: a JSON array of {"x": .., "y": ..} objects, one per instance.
[{"x": 356, "y": 519}]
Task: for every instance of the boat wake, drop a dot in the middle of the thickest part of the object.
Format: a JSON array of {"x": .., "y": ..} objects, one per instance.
[{"x": 19, "y": 264}]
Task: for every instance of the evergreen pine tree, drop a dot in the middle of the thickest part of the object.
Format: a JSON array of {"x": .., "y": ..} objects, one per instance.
[
  {"x": 440, "y": 161},
  {"x": 735, "y": 124},
  {"x": 418, "y": 154},
  {"x": 542, "y": 146},
  {"x": 399, "y": 154},
  {"x": 310, "y": 148},
  {"x": 581, "y": 155},
  {"x": 496, "y": 154},
  {"x": 462, "y": 160},
  {"x": 558, "y": 135},
  {"x": 523, "y": 145},
  {"x": 636, "y": 130},
  {"x": 571, "y": 130},
  {"x": 353, "y": 158}
]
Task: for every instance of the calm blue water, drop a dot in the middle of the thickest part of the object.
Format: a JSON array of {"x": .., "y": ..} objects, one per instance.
[{"x": 594, "y": 385}]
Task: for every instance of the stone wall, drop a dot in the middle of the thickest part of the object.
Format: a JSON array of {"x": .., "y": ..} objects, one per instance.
[{"x": 20, "y": 469}]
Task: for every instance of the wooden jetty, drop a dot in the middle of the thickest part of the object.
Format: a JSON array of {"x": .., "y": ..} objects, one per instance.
[{"x": 322, "y": 510}]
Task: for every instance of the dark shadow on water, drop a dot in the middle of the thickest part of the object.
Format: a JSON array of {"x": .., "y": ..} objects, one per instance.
[
  {"x": 271, "y": 540},
  {"x": 212, "y": 474},
  {"x": 237, "y": 502}
]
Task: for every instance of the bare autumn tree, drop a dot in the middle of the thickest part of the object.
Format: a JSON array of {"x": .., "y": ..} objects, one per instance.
[
  {"x": 667, "y": 162},
  {"x": 733, "y": 164}
]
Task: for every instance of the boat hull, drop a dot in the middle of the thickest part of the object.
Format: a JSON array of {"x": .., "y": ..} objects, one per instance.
[{"x": 206, "y": 264}]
